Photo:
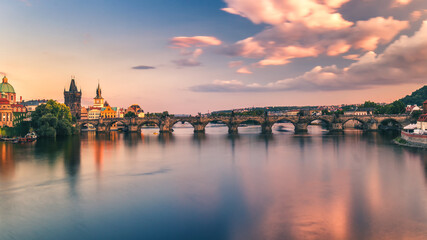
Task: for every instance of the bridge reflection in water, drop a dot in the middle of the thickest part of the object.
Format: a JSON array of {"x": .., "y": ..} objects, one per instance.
[{"x": 199, "y": 123}]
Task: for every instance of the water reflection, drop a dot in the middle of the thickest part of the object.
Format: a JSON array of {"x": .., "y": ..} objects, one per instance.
[
  {"x": 72, "y": 158},
  {"x": 7, "y": 162},
  {"x": 352, "y": 185}
]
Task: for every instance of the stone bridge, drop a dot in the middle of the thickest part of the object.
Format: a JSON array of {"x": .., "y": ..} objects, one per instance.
[{"x": 332, "y": 122}]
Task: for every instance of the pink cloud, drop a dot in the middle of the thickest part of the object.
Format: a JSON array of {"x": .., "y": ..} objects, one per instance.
[
  {"x": 398, "y": 3},
  {"x": 311, "y": 13},
  {"x": 402, "y": 62},
  {"x": 281, "y": 43},
  {"x": 191, "y": 60},
  {"x": 196, "y": 41},
  {"x": 244, "y": 70},
  {"x": 416, "y": 15},
  {"x": 191, "y": 48},
  {"x": 307, "y": 28},
  {"x": 281, "y": 55},
  {"x": 233, "y": 64},
  {"x": 369, "y": 34},
  {"x": 231, "y": 11},
  {"x": 352, "y": 57},
  {"x": 338, "y": 48}
]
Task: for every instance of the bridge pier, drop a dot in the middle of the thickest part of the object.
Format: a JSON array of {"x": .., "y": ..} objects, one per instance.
[
  {"x": 266, "y": 128},
  {"x": 101, "y": 128},
  {"x": 165, "y": 128},
  {"x": 371, "y": 126},
  {"x": 233, "y": 128},
  {"x": 336, "y": 127},
  {"x": 301, "y": 127},
  {"x": 199, "y": 128},
  {"x": 133, "y": 128}
]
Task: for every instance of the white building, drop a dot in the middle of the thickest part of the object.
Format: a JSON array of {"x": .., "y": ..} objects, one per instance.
[{"x": 94, "y": 113}]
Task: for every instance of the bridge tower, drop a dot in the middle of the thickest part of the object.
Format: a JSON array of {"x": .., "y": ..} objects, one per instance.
[{"x": 73, "y": 99}]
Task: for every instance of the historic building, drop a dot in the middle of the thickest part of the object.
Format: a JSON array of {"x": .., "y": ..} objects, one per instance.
[
  {"x": 73, "y": 98},
  {"x": 31, "y": 105},
  {"x": 99, "y": 100},
  {"x": 6, "y": 113},
  {"x": 84, "y": 114},
  {"x": 7, "y": 91},
  {"x": 135, "y": 108},
  {"x": 94, "y": 112},
  {"x": 422, "y": 121},
  {"x": 108, "y": 112},
  {"x": 8, "y": 105}
]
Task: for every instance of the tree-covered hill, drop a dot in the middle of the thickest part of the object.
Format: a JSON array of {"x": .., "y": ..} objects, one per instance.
[{"x": 417, "y": 97}]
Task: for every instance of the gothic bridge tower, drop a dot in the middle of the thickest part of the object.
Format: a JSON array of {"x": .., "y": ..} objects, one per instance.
[{"x": 73, "y": 99}]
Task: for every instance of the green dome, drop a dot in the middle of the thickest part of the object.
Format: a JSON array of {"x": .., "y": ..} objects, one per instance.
[{"x": 6, "y": 88}]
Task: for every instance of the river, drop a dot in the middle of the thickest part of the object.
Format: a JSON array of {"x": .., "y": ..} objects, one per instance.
[{"x": 352, "y": 185}]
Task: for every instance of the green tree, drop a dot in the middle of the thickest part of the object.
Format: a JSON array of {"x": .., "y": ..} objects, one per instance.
[
  {"x": 415, "y": 115},
  {"x": 369, "y": 104},
  {"x": 130, "y": 115},
  {"x": 52, "y": 119},
  {"x": 397, "y": 107},
  {"x": 417, "y": 97}
]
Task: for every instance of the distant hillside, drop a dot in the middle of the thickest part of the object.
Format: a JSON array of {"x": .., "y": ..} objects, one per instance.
[{"x": 417, "y": 97}]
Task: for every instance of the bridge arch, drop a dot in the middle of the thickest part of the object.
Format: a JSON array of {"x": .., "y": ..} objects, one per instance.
[
  {"x": 186, "y": 124},
  {"x": 364, "y": 123},
  {"x": 216, "y": 125},
  {"x": 322, "y": 120},
  {"x": 250, "y": 121},
  {"x": 217, "y": 121},
  {"x": 147, "y": 123},
  {"x": 109, "y": 124},
  {"x": 284, "y": 119},
  {"x": 389, "y": 124},
  {"x": 282, "y": 128},
  {"x": 254, "y": 123},
  {"x": 87, "y": 125},
  {"x": 317, "y": 125},
  {"x": 172, "y": 124}
]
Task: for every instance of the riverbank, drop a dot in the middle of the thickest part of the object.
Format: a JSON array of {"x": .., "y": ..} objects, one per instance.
[{"x": 402, "y": 142}]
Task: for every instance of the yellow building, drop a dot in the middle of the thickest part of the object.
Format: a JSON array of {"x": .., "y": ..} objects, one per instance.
[
  {"x": 108, "y": 111},
  {"x": 6, "y": 114}
]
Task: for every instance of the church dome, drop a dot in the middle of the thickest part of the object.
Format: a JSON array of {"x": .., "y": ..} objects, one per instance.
[{"x": 5, "y": 87}]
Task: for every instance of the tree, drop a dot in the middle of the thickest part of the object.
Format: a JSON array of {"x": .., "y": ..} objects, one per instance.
[
  {"x": 415, "y": 115},
  {"x": 52, "y": 119},
  {"x": 417, "y": 97},
  {"x": 130, "y": 114},
  {"x": 397, "y": 107},
  {"x": 369, "y": 104}
]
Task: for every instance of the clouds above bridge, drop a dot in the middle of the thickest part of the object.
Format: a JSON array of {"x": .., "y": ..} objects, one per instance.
[
  {"x": 307, "y": 28},
  {"x": 401, "y": 62},
  {"x": 191, "y": 48}
]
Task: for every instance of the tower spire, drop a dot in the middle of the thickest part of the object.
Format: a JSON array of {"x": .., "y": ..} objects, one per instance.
[
  {"x": 73, "y": 87},
  {"x": 98, "y": 91}
]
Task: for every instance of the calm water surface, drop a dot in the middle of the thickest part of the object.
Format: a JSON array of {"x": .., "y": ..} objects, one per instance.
[{"x": 214, "y": 186}]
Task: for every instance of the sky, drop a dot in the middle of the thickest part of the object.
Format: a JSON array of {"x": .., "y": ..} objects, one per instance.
[{"x": 190, "y": 56}]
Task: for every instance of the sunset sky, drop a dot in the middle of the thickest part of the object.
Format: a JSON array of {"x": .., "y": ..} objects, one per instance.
[{"x": 189, "y": 56}]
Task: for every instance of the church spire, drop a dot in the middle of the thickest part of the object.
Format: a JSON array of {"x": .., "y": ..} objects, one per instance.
[
  {"x": 98, "y": 92},
  {"x": 73, "y": 87}
]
